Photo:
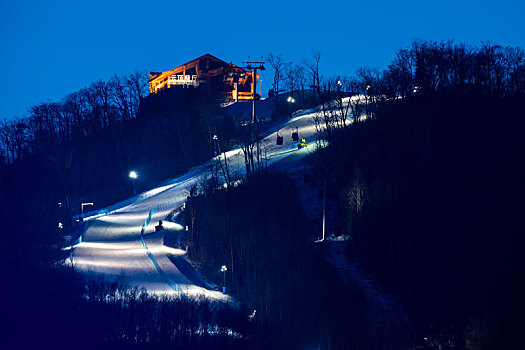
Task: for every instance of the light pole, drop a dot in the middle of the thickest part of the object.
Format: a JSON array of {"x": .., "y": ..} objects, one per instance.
[
  {"x": 215, "y": 140},
  {"x": 133, "y": 175},
  {"x": 291, "y": 100},
  {"x": 324, "y": 208},
  {"x": 223, "y": 270},
  {"x": 82, "y": 209},
  {"x": 366, "y": 99},
  {"x": 324, "y": 213}
]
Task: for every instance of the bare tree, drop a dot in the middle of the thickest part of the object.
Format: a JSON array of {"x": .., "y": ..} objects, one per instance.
[
  {"x": 279, "y": 66},
  {"x": 342, "y": 93},
  {"x": 293, "y": 75},
  {"x": 402, "y": 72},
  {"x": 76, "y": 110},
  {"x": 370, "y": 85},
  {"x": 313, "y": 67},
  {"x": 137, "y": 83},
  {"x": 19, "y": 137},
  {"x": 218, "y": 141},
  {"x": 301, "y": 81},
  {"x": 120, "y": 94},
  {"x": 7, "y": 139},
  {"x": 516, "y": 58},
  {"x": 356, "y": 99},
  {"x": 92, "y": 120},
  {"x": 50, "y": 124},
  {"x": 103, "y": 95},
  {"x": 255, "y": 157}
]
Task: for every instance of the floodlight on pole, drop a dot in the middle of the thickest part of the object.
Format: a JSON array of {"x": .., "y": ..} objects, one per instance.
[
  {"x": 133, "y": 175},
  {"x": 366, "y": 99},
  {"x": 223, "y": 270},
  {"x": 82, "y": 208},
  {"x": 291, "y": 100},
  {"x": 215, "y": 140}
]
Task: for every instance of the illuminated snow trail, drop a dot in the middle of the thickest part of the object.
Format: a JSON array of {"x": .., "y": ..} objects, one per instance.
[{"x": 112, "y": 247}]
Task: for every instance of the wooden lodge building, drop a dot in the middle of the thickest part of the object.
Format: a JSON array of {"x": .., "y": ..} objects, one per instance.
[{"x": 234, "y": 82}]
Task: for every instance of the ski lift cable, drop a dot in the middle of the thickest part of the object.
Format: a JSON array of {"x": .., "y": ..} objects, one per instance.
[{"x": 265, "y": 80}]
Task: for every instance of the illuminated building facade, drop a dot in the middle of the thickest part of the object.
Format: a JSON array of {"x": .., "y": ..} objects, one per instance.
[{"x": 234, "y": 82}]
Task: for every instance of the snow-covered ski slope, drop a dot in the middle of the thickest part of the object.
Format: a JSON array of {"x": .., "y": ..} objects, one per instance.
[{"x": 112, "y": 245}]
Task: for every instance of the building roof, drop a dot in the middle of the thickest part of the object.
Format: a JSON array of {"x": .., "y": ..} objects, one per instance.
[{"x": 156, "y": 75}]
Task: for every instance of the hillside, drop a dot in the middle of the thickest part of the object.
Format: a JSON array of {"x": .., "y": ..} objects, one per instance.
[
  {"x": 430, "y": 191},
  {"x": 420, "y": 166}
]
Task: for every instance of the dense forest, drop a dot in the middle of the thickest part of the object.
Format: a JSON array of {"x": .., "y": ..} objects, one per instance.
[
  {"x": 42, "y": 186},
  {"x": 430, "y": 193},
  {"x": 424, "y": 167},
  {"x": 423, "y": 162},
  {"x": 429, "y": 188},
  {"x": 259, "y": 230}
]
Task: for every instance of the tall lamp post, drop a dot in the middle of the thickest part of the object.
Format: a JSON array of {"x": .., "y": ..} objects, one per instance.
[
  {"x": 133, "y": 175},
  {"x": 366, "y": 99},
  {"x": 82, "y": 209},
  {"x": 223, "y": 270},
  {"x": 215, "y": 140},
  {"x": 291, "y": 100}
]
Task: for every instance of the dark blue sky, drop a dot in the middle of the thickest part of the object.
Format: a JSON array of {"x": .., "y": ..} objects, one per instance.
[{"x": 51, "y": 48}]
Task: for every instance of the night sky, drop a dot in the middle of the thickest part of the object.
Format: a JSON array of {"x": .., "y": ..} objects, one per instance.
[{"x": 51, "y": 48}]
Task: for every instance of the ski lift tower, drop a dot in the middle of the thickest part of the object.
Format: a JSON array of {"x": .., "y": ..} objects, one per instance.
[{"x": 254, "y": 66}]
